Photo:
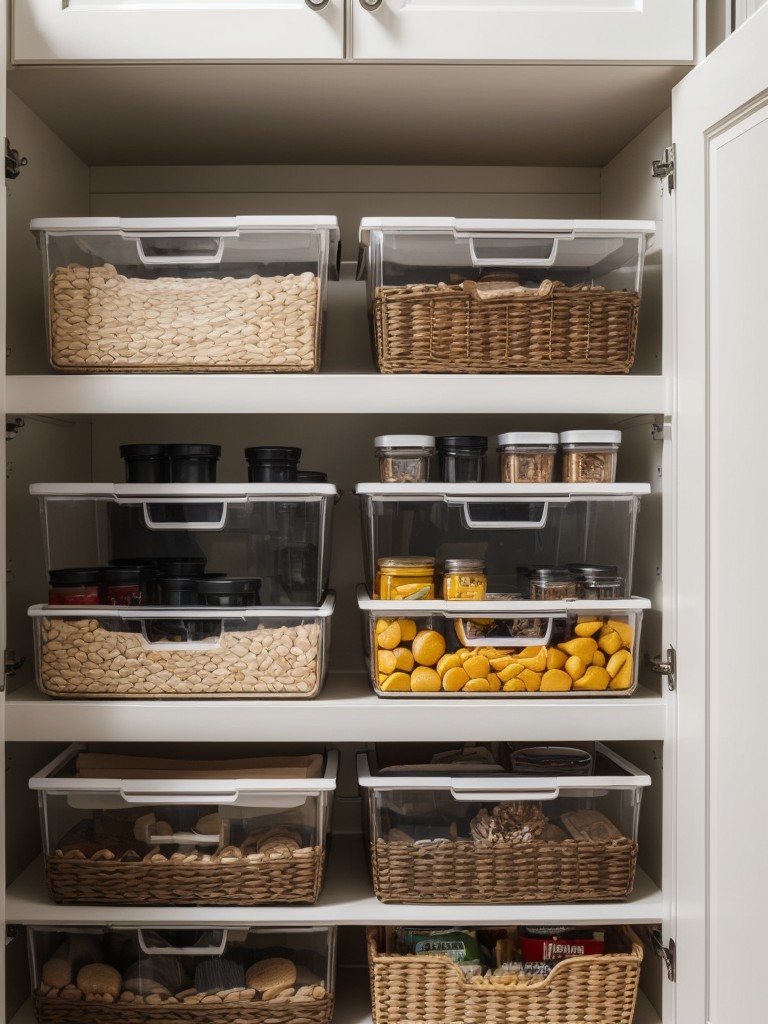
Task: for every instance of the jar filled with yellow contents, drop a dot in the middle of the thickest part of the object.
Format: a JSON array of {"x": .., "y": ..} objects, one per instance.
[
  {"x": 407, "y": 578},
  {"x": 464, "y": 579}
]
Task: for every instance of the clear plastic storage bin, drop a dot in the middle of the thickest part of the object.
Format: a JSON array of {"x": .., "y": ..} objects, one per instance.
[
  {"x": 239, "y": 974},
  {"x": 513, "y": 527},
  {"x": 479, "y": 836},
  {"x": 279, "y": 533},
  {"x": 126, "y": 830},
  {"x": 501, "y": 649},
  {"x": 503, "y": 296},
  {"x": 242, "y": 294},
  {"x": 99, "y": 653}
]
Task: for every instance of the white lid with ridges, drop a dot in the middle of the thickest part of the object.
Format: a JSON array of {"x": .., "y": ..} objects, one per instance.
[
  {"x": 404, "y": 441},
  {"x": 590, "y": 437},
  {"x": 532, "y": 437}
]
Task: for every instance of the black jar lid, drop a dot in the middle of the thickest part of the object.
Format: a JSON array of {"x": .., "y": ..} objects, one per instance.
[
  {"x": 177, "y": 582},
  {"x": 233, "y": 585},
  {"x": 555, "y": 575},
  {"x": 311, "y": 476},
  {"x": 450, "y": 442},
  {"x": 189, "y": 451},
  {"x": 74, "y": 577},
  {"x": 275, "y": 452},
  {"x": 178, "y": 567},
  {"x": 585, "y": 569},
  {"x": 143, "y": 451},
  {"x": 114, "y": 575}
]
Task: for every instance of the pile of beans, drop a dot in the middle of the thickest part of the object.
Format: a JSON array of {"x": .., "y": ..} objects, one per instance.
[
  {"x": 79, "y": 657},
  {"x": 104, "y": 320}
]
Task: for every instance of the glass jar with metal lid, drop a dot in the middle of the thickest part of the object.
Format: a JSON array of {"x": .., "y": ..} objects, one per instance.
[
  {"x": 464, "y": 579},
  {"x": 527, "y": 457},
  {"x": 552, "y": 585},
  {"x": 405, "y": 578},
  {"x": 404, "y": 458},
  {"x": 598, "y": 582}
]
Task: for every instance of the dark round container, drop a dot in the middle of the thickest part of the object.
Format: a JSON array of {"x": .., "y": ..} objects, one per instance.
[
  {"x": 272, "y": 465},
  {"x": 146, "y": 463},
  {"x": 177, "y": 591},
  {"x": 311, "y": 476},
  {"x": 193, "y": 463},
  {"x": 462, "y": 458},
  {"x": 240, "y": 592},
  {"x": 179, "y": 566},
  {"x": 74, "y": 586},
  {"x": 124, "y": 585}
]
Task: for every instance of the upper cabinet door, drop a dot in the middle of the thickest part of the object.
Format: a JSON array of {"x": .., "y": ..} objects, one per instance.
[
  {"x": 720, "y": 130},
  {"x": 59, "y": 31},
  {"x": 523, "y": 30}
]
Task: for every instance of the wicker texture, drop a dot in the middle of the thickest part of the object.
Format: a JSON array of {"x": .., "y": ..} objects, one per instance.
[
  {"x": 275, "y": 1011},
  {"x": 448, "y": 329},
  {"x": 101, "y": 320},
  {"x": 581, "y": 990},
  {"x": 296, "y": 879},
  {"x": 444, "y": 871}
]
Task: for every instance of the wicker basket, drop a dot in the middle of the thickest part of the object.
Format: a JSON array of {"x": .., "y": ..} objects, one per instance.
[
  {"x": 554, "y": 329},
  {"x": 446, "y": 871},
  {"x": 296, "y": 879},
  {"x": 581, "y": 990},
  {"x": 276, "y": 1011}
]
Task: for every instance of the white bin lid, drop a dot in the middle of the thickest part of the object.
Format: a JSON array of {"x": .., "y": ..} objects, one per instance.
[
  {"x": 500, "y": 492},
  {"x": 180, "y": 225},
  {"x": 454, "y": 225},
  {"x": 209, "y": 492}
]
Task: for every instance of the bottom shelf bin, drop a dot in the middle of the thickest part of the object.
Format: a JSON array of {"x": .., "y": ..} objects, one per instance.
[
  {"x": 418, "y": 988},
  {"x": 238, "y": 975}
]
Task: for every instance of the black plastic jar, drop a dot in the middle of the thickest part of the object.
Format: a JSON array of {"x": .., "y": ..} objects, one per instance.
[
  {"x": 177, "y": 591},
  {"x": 146, "y": 463},
  {"x": 272, "y": 465},
  {"x": 193, "y": 463},
  {"x": 462, "y": 458},
  {"x": 74, "y": 586},
  {"x": 237, "y": 592},
  {"x": 311, "y": 476},
  {"x": 124, "y": 584}
]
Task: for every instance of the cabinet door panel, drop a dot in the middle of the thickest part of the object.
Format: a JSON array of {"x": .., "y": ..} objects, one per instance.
[
  {"x": 720, "y": 127},
  {"x": 58, "y": 31},
  {"x": 578, "y": 30}
]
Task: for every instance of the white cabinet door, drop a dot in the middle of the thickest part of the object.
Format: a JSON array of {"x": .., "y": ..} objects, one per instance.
[
  {"x": 562, "y": 30},
  {"x": 58, "y": 31},
  {"x": 720, "y": 128}
]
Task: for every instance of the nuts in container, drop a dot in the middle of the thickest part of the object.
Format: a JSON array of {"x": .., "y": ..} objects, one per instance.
[
  {"x": 404, "y": 458},
  {"x": 527, "y": 457},
  {"x": 589, "y": 456}
]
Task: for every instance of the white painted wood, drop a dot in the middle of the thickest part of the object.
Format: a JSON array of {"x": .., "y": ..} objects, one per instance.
[
  {"x": 347, "y": 899},
  {"x": 743, "y": 9},
  {"x": 3, "y": 467},
  {"x": 346, "y": 711},
  {"x": 335, "y": 393},
  {"x": 720, "y": 127},
  {"x": 559, "y": 30},
  {"x": 49, "y": 31}
]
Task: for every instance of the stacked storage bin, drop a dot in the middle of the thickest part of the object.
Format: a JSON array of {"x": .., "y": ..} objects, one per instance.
[
  {"x": 193, "y": 590},
  {"x": 517, "y": 590}
]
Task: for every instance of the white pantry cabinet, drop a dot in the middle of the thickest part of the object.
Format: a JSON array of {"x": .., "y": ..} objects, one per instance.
[
  {"x": 690, "y": 413},
  {"x": 53, "y": 31}
]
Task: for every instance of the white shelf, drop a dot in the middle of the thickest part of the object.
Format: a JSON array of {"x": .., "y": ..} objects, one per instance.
[
  {"x": 93, "y": 394},
  {"x": 347, "y": 899},
  {"x": 353, "y": 1002},
  {"x": 346, "y": 711}
]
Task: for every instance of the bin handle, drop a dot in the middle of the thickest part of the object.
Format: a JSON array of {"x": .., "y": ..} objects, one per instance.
[
  {"x": 182, "y": 950},
  {"x": 491, "y": 524},
  {"x": 180, "y": 258},
  {"x": 466, "y": 794},
  {"x": 504, "y": 641},
  {"x": 178, "y": 645},
  {"x": 137, "y": 796},
  {"x": 215, "y": 524},
  {"x": 512, "y": 261}
]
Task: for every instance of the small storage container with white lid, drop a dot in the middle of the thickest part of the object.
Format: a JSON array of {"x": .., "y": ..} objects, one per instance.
[
  {"x": 239, "y": 294},
  {"x": 404, "y": 458},
  {"x": 231, "y": 973},
  {"x": 449, "y": 295},
  {"x": 120, "y": 829},
  {"x": 590, "y": 456},
  {"x": 527, "y": 457}
]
